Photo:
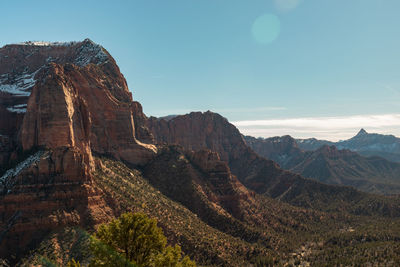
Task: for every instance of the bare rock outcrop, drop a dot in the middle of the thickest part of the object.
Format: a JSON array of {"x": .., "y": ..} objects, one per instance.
[
  {"x": 48, "y": 190},
  {"x": 60, "y": 103},
  {"x": 68, "y": 94},
  {"x": 208, "y": 130}
]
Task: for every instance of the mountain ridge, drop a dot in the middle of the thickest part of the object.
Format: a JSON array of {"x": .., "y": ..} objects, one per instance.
[
  {"x": 210, "y": 130},
  {"x": 331, "y": 165},
  {"x": 368, "y": 144}
]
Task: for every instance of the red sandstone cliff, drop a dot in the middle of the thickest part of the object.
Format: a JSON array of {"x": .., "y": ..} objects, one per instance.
[
  {"x": 47, "y": 191},
  {"x": 209, "y": 130},
  {"x": 65, "y": 101},
  {"x": 69, "y": 94}
]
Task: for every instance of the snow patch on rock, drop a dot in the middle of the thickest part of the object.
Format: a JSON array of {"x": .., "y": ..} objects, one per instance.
[
  {"x": 18, "y": 108},
  {"x": 7, "y": 180},
  {"x": 90, "y": 52},
  {"x": 41, "y": 43},
  {"x": 18, "y": 85}
]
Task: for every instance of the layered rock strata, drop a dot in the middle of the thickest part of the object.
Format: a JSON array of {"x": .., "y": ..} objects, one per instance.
[{"x": 60, "y": 103}]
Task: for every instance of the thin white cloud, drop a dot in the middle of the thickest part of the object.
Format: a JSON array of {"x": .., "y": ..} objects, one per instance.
[{"x": 330, "y": 128}]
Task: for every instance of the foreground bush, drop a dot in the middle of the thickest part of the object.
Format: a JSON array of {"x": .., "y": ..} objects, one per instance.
[{"x": 135, "y": 240}]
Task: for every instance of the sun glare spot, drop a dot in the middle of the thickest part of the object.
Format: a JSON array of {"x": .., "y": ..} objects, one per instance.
[{"x": 266, "y": 28}]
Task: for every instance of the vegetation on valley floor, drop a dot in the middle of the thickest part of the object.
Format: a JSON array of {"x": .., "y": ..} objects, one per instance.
[{"x": 334, "y": 239}]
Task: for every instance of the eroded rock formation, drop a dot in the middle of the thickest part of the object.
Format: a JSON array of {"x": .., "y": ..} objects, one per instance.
[{"x": 60, "y": 103}]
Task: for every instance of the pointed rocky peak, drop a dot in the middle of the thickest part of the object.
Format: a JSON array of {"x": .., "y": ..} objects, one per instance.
[
  {"x": 88, "y": 40},
  {"x": 362, "y": 132},
  {"x": 90, "y": 52}
]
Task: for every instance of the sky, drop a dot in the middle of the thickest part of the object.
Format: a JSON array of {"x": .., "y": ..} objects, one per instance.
[{"x": 307, "y": 68}]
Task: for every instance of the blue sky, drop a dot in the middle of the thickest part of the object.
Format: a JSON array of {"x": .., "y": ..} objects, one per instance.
[{"x": 259, "y": 61}]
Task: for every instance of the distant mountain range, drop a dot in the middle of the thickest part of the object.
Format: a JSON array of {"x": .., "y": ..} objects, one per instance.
[
  {"x": 366, "y": 144},
  {"x": 334, "y": 165}
]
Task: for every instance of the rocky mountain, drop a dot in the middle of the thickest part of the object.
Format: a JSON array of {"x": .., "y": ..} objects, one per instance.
[
  {"x": 60, "y": 103},
  {"x": 209, "y": 130},
  {"x": 364, "y": 143},
  {"x": 333, "y": 166},
  {"x": 312, "y": 143},
  {"x": 78, "y": 88},
  {"x": 330, "y": 165},
  {"x": 77, "y": 151},
  {"x": 283, "y": 150}
]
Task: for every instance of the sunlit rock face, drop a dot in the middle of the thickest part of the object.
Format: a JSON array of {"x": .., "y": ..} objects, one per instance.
[
  {"x": 208, "y": 130},
  {"x": 60, "y": 103},
  {"x": 67, "y": 94}
]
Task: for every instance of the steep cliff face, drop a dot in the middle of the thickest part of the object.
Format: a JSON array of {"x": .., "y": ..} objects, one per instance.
[
  {"x": 209, "y": 130},
  {"x": 283, "y": 150},
  {"x": 19, "y": 66},
  {"x": 57, "y": 116},
  {"x": 59, "y": 104},
  {"x": 199, "y": 130},
  {"x": 68, "y": 94},
  {"x": 143, "y": 134},
  {"x": 48, "y": 190}
]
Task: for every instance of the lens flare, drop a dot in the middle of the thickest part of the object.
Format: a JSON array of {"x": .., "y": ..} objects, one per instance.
[{"x": 266, "y": 28}]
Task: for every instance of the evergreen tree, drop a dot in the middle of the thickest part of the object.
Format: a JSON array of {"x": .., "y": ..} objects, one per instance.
[{"x": 135, "y": 240}]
